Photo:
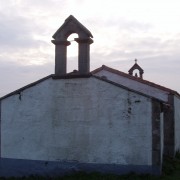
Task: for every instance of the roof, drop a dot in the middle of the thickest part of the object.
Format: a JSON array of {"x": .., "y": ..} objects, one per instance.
[
  {"x": 103, "y": 67},
  {"x": 75, "y": 21},
  {"x": 71, "y": 76},
  {"x": 120, "y": 73}
]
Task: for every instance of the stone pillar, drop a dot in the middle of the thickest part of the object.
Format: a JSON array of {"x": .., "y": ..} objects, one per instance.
[
  {"x": 84, "y": 55},
  {"x": 60, "y": 56}
]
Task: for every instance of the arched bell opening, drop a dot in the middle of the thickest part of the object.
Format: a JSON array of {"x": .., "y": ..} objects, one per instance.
[
  {"x": 72, "y": 53},
  {"x": 136, "y": 73}
]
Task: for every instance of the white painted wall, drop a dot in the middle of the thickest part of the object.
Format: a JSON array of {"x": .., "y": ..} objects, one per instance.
[
  {"x": 135, "y": 85},
  {"x": 177, "y": 122},
  {"x": 85, "y": 120}
]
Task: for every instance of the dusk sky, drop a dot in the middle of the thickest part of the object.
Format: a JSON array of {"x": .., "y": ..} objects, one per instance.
[{"x": 148, "y": 30}]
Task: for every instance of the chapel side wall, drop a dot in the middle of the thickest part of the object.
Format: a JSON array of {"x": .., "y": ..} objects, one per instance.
[
  {"x": 135, "y": 85},
  {"x": 177, "y": 122},
  {"x": 83, "y": 120}
]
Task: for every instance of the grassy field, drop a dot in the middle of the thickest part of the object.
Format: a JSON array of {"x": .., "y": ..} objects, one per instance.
[{"x": 171, "y": 171}]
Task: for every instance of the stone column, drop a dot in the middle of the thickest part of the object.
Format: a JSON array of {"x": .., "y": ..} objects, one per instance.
[
  {"x": 60, "y": 56},
  {"x": 84, "y": 55}
]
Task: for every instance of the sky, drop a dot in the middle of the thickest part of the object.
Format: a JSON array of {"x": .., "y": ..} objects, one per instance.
[{"x": 123, "y": 30}]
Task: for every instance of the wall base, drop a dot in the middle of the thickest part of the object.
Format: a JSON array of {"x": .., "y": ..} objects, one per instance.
[{"x": 18, "y": 168}]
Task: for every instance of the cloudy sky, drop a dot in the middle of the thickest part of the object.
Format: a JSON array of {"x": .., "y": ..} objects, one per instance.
[{"x": 123, "y": 30}]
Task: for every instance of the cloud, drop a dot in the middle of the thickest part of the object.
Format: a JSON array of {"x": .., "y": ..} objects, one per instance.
[
  {"x": 16, "y": 33},
  {"x": 14, "y": 76},
  {"x": 122, "y": 32}
]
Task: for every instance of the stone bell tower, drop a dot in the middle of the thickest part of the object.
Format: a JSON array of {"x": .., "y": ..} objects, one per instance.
[{"x": 72, "y": 25}]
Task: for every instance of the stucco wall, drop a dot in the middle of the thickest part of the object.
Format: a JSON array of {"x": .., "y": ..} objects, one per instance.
[
  {"x": 177, "y": 122},
  {"x": 135, "y": 85},
  {"x": 84, "y": 120}
]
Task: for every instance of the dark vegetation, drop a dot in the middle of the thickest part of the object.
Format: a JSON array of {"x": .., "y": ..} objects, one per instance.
[{"x": 171, "y": 171}]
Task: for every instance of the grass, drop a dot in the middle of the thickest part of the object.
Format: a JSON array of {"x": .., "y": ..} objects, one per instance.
[{"x": 171, "y": 171}]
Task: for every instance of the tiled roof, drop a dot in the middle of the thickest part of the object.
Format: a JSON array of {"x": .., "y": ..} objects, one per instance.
[{"x": 120, "y": 73}]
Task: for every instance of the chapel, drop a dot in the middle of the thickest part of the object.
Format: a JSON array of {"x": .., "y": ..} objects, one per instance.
[{"x": 103, "y": 120}]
